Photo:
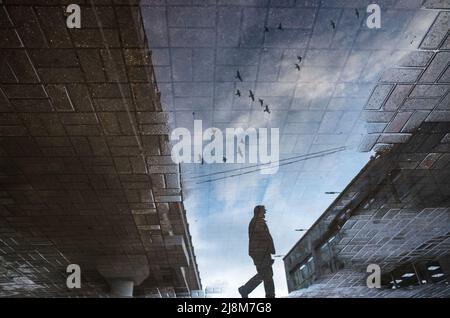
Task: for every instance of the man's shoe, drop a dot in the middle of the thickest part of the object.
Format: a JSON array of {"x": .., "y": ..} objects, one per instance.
[{"x": 241, "y": 291}]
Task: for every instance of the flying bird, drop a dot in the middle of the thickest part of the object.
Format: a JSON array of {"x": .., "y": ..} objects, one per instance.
[
  {"x": 297, "y": 67},
  {"x": 238, "y": 93},
  {"x": 357, "y": 13},
  {"x": 333, "y": 25},
  {"x": 280, "y": 27},
  {"x": 238, "y": 75},
  {"x": 261, "y": 101},
  {"x": 266, "y": 29},
  {"x": 267, "y": 110},
  {"x": 252, "y": 96}
]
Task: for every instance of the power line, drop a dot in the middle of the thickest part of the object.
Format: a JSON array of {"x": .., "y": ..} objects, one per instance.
[
  {"x": 332, "y": 150},
  {"x": 284, "y": 164}
]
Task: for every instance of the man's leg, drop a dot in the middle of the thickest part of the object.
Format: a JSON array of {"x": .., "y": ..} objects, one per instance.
[
  {"x": 266, "y": 273},
  {"x": 250, "y": 286}
]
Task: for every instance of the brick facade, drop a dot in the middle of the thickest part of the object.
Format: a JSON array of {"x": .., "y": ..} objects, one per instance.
[
  {"x": 85, "y": 172},
  {"x": 394, "y": 213}
]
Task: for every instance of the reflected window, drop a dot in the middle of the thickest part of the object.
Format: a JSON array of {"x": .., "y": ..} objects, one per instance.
[{"x": 304, "y": 274}]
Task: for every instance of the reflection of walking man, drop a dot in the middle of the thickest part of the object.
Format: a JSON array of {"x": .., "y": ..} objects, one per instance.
[{"x": 260, "y": 249}]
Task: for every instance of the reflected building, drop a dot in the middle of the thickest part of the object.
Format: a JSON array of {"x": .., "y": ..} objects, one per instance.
[
  {"x": 86, "y": 173},
  {"x": 395, "y": 214}
]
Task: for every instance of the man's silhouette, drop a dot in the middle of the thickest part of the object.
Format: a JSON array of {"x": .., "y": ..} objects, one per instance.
[{"x": 260, "y": 249}]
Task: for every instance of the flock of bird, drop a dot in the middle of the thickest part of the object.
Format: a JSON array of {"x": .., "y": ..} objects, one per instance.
[
  {"x": 297, "y": 66},
  {"x": 251, "y": 95}
]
